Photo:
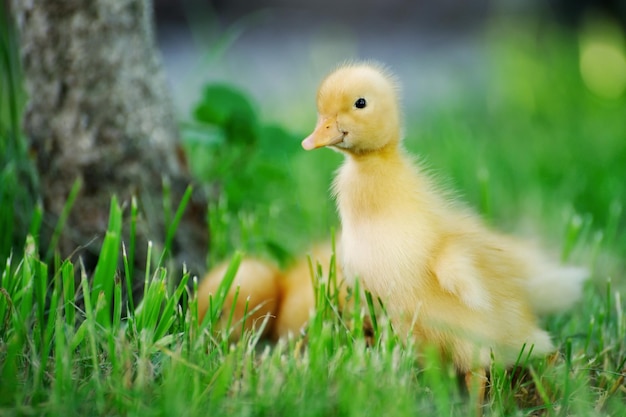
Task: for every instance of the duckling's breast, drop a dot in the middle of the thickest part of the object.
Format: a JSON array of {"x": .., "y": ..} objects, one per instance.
[{"x": 386, "y": 254}]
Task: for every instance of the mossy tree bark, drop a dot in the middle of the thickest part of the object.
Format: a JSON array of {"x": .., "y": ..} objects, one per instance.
[{"x": 99, "y": 112}]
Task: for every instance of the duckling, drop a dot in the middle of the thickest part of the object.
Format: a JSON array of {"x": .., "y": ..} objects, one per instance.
[
  {"x": 286, "y": 296},
  {"x": 297, "y": 295},
  {"x": 259, "y": 296},
  {"x": 445, "y": 278}
]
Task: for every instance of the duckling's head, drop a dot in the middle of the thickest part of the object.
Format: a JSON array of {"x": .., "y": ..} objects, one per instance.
[{"x": 358, "y": 110}]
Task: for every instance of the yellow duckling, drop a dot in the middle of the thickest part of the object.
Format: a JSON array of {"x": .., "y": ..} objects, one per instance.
[{"x": 445, "y": 278}]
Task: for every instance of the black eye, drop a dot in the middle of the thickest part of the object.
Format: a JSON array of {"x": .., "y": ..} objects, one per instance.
[{"x": 360, "y": 103}]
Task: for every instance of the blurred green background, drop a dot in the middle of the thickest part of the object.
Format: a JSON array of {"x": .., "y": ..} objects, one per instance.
[{"x": 519, "y": 106}]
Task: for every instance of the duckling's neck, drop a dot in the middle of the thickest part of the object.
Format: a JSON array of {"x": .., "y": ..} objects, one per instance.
[
  {"x": 372, "y": 181},
  {"x": 388, "y": 152},
  {"x": 381, "y": 163}
]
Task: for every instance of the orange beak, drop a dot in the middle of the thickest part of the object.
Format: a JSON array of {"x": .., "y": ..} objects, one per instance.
[{"x": 326, "y": 133}]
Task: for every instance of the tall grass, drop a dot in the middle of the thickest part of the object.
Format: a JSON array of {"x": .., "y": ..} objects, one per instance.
[
  {"x": 18, "y": 182},
  {"x": 59, "y": 358}
]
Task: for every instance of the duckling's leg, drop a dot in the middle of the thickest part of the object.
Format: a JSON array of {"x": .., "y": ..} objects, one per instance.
[{"x": 476, "y": 383}]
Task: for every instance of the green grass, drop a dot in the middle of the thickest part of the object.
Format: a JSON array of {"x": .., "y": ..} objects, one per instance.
[
  {"x": 17, "y": 179},
  {"x": 536, "y": 152}
]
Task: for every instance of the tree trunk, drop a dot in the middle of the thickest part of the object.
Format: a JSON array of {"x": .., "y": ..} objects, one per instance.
[{"x": 99, "y": 112}]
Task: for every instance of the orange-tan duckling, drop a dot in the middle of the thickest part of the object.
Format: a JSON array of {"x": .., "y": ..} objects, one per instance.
[
  {"x": 297, "y": 295},
  {"x": 257, "y": 284},
  {"x": 286, "y": 298},
  {"x": 446, "y": 279}
]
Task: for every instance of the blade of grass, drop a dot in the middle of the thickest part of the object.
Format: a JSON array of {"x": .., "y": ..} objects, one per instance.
[
  {"x": 173, "y": 224},
  {"x": 129, "y": 257},
  {"x": 35, "y": 224},
  {"x": 168, "y": 313},
  {"x": 117, "y": 306},
  {"x": 167, "y": 200},
  {"x": 92, "y": 338},
  {"x": 231, "y": 314},
  {"x": 10, "y": 370},
  {"x": 486, "y": 198},
  {"x": 224, "y": 287},
  {"x": 146, "y": 279},
  {"x": 62, "y": 368},
  {"x": 9, "y": 71},
  {"x": 65, "y": 213},
  {"x": 541, "y": 388},
  {"x": 147, "y": 314},
  {"x": 372, "y": 311},
  {"x": 106, "y": 269},
  {"x": 69, "y": 293}
]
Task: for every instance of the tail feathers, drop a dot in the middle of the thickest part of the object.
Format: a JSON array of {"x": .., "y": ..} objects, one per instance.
[{"x": 555, "y": 288}]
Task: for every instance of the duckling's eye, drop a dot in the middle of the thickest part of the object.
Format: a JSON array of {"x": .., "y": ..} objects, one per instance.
[{"x": 360, "y": 103}]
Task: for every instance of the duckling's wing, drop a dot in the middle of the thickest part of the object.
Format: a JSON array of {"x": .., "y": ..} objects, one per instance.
[{"x": 456, "y": 271}]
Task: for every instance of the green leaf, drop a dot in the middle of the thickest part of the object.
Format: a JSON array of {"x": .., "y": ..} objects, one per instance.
[{"x": 224, "y": 106}]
